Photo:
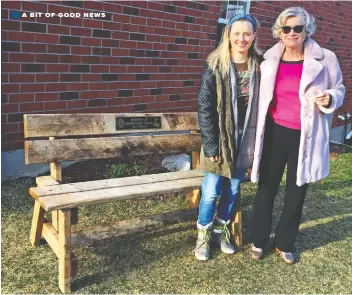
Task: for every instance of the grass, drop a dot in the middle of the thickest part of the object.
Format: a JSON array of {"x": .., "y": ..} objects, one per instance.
[{"x": 162, "y": 261}]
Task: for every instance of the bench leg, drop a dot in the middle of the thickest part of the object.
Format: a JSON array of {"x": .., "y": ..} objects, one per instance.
[
  {"x": 236, "y": 223},
  {"x": 193, "y": 197},
  {"x": 55, "y": 220},
  {"x": 37, "y": 224},
  {"x": 65, "y": 250}
]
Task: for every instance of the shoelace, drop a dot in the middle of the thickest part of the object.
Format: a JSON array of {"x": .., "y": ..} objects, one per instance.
[
  {"x": 225, "y": 234},
  {"x": 205, "y": 242}
]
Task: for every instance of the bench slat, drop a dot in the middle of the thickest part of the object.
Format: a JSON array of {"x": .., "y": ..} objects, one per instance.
[
  {"x": 59, "y": 150},
  {"x": 45, "y": 125},
  {"x": 71, "y": 200},
  {"x": 96, "y": 185}
]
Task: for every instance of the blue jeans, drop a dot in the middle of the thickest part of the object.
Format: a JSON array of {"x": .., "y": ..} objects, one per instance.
[{"x": 212, "y": 187}]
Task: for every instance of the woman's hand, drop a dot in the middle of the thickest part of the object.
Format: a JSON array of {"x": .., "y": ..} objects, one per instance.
[
  {"x": 215, "y": 159},
  {"x": 323, "y": 99}
]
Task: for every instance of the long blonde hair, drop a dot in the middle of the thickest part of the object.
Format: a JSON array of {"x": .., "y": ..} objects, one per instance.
[{"x": 219, "y": 59}]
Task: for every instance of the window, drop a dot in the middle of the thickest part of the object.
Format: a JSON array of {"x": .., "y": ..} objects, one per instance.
[{"x": 227, "y": 10}]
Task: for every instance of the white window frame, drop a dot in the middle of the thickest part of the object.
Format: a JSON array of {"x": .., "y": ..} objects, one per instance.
[{"x": 224, "y": 20}]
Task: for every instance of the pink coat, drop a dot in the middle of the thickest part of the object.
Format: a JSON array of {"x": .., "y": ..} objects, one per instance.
[{"x": 321, "y": 70}]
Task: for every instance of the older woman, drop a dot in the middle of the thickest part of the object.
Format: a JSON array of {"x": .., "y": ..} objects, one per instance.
[
  {"x": 227, "y": 111},
  {"x": 301, "y": 84}
]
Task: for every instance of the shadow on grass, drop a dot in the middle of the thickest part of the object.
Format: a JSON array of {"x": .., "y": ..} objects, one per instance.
[
  {"x": 124, "y": 254},
  {"x": 322, "y": 234}
]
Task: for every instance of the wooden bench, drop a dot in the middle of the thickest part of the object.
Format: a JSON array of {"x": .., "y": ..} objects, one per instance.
[{"x": 65, "y": 137}]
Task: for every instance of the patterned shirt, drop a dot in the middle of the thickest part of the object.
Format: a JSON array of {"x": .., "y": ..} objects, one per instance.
[{"x": 242, "y": 81}]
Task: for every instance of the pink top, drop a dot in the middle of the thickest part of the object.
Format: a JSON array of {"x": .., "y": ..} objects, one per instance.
[{"x": 285, "y": 108}]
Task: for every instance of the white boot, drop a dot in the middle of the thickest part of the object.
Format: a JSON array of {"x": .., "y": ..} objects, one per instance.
[
  {"x": 202, "y": 246},
  {"x": 221, "y": 236}
]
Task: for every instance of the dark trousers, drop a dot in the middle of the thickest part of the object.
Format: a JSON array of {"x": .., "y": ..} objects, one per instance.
[{"x": 281, "y": 146}]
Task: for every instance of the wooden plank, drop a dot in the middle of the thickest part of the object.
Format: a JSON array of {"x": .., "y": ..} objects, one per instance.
[
  {"x": 56, "y": 173},
  {"x": 97, "y": 185},
  {"x": 46, "y": 181},
  {"x": 71, "y": 200},
  {"x": 65, "y": 251},
  {"x": 46, "y": 125},
  {"x": 193, "y": 197},
  {"x": 141, "y": 224},
  {"x": 236, "y": 223},
  {"x": 46, "y": 151},
  {"x": 52, "y": 237},
  {"x": 37, "y": 224}
]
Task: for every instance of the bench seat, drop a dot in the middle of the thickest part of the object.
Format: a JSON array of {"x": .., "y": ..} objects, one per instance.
[{"x": 65, "y": 196}]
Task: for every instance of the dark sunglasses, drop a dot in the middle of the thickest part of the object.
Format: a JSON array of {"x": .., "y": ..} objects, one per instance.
[{"x": 296, "y": 29}]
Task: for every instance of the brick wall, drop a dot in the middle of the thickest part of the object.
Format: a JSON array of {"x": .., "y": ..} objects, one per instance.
[
  {"x": 143, "y": 56},
  {"x": 333, "y": 20}
]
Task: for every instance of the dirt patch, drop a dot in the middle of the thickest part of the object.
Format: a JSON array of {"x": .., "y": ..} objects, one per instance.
[{"x": 99, "y": 169}]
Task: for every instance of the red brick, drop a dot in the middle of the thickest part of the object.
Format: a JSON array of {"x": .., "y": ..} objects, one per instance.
[
  {"x": 10, "y": 25},
  {"x": 4, "y": 14},
  {"x": 120, "y": 18},
  {"x": 4, "y": 78},
  {"x": 77, "y": 104},
  {"x": 98, "y": 86},
  {"x": 21, "y": 98},
  {"x": 9, "y": 108},
  {"x": 16, "y": 136},
  {"x": 62, "y": 30},
  {"x": 80, "y": 32},
  {"x": 112, "y": 26},
  {"x": 56, "y": 87},
  {"x": 45, "y": 96},
  {"x": 116, "y": 101},
  {"x": 81, "y": 50},
  {"x": 33, "y": 47},
  {"x": 91, "y": 77},
  {"x": 89, "y": 94},
  {"x": 10, "y": 67},
  {"x": 107, "y": 94},
  {"x": 10, "y": 88},
  {"x": 36, "y": 7},
  {"x": 31, "y": 107},
  {"x": 32, "y": 87},
  {"x": 59, "y": 68},
  {"x": 11, "y": 5},
  {"x": 19, "y": 78},
  {"x": 7, "y": 128},
  {"x": 21, "y": 57},
  {"x": 77, "y": 86},
  {"x": 72, "y": 21},
  {"x": 21, "y": 36},
  {"x": 99, "y": 69},
  {"x": 121, "y": 109},
  {"x": 47, "y": 58},
  {"x": 113, "y": 7},
  {"x": 55, "y": 105},
  {"x": 91, "y": 42},
  {"x": 91, "y": 23},
  {"x": 120, "y": 35},
  {"x": 117, "y": 85},
  {"x": 47, "y": 77},
  {"x": 47, "y": 38}
]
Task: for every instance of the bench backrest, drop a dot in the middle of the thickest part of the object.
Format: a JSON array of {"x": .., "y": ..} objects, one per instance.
[{"x": 65, "y": 137}]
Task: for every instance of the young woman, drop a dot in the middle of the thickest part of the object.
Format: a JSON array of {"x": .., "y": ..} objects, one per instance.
[{"x": 227, "y": 111}]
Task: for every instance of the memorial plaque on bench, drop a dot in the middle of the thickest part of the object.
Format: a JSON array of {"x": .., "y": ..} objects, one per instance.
[{"x": 126, "y": 123}]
